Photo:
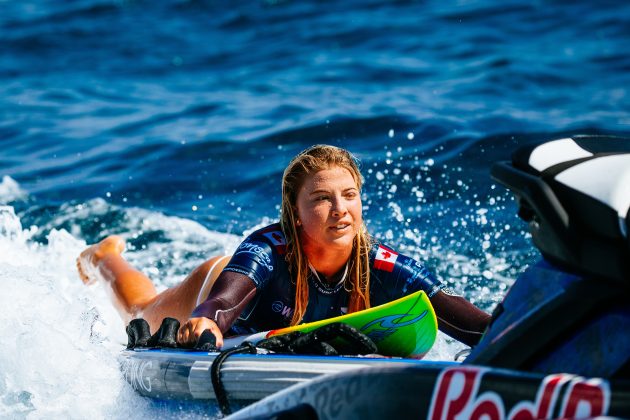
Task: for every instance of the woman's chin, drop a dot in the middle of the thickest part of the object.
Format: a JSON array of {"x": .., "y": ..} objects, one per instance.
[{"x": 342, "y": 241}]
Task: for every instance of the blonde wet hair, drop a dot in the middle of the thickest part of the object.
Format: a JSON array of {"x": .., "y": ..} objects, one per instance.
[{"x": 309, "y": 162}]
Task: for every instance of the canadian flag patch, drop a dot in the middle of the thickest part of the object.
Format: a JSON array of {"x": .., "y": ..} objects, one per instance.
[
  {"x": 277, "y": 239},
  {"x": 385, "y": 259}
]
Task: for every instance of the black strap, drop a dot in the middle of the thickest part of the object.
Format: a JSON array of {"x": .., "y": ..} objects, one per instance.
[
  {"x": 330, "y": 340},
  {"x": 215, "y": 374},
  {"x": 138, "y": 334}
]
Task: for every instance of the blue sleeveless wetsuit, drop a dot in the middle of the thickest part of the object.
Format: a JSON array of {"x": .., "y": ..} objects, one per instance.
[{"x": 261, "y": 258}]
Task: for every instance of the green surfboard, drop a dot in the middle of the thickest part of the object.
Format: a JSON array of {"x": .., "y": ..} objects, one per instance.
[{"x": 406, "y": 327}]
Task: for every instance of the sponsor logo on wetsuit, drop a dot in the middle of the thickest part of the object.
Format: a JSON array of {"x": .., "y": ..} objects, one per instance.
[
  {"x": 385, "y": 259},
  {"x": 281, "y": 308},
  {"x": 419, "y": 274},
  {"x": 254, "y": 249}
]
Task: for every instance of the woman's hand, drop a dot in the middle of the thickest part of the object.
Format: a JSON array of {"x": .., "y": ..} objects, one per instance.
[{"x": 191, "y": 330}]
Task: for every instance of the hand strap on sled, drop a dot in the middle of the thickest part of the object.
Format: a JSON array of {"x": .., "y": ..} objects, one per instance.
[{"x": 330, "y": 340}]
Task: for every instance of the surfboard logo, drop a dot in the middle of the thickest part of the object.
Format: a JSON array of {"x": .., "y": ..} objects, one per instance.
[
  {"x": 133, "y": 372},
  {"x": 385, "y": 259},
  {"x": 381, "y": 328}
]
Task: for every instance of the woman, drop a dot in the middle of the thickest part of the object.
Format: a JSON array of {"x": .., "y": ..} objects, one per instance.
[{"x": 318, "y": 262}]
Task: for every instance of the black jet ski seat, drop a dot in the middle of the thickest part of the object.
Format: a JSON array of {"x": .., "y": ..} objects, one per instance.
[{"x": 575, "y": 194}]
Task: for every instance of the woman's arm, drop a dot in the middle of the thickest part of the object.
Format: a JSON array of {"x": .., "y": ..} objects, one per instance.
[
  {"x": 249, "y": 270},
  {"x": 459, "y": 318},
  {"x": 228, "y": 298}
]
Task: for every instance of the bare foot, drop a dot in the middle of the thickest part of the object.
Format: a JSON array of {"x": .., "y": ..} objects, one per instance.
[{"x": 87, "y": 262}]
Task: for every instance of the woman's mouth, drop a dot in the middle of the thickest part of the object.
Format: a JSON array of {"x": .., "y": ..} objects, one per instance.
[{"x": 340, "y": 227}]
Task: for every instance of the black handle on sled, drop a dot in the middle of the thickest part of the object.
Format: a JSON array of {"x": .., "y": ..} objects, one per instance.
[{"x": 207, "y": 342}]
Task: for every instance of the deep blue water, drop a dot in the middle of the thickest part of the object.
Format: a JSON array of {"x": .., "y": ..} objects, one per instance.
[{"x": 139, "y": 118}]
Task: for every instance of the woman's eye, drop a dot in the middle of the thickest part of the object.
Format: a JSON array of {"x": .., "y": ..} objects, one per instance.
[{"x": 321, "y": 198}]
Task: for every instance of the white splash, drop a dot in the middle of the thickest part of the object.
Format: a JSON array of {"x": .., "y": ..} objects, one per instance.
[
  {"x": 54, "y": 362},
  {"x": 10, "y": 190},
  {"x": 60, "y": 339}
]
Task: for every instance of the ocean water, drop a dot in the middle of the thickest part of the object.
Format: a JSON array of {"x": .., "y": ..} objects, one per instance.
[{"x": 170, "y": 123}]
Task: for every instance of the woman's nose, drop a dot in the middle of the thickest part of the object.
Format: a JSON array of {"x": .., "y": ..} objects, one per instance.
[{"x": 339, "y": 209}]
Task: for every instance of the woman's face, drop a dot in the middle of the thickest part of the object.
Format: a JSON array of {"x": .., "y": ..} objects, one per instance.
[{"x": 329, "y": 210}]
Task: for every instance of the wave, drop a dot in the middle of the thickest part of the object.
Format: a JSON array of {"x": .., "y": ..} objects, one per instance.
[{"x": 59, "y": 356}]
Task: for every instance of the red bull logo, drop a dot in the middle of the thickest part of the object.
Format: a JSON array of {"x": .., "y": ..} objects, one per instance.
[{"x": 457, "y": 396}]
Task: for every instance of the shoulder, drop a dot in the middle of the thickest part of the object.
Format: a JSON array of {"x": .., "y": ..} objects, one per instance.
[
  {"x": 383, "y": 257},
  {"x": 386, "y": 258},
  {"x": 260, "y": 255},
  {"x": 401, "y": 271},
  {"x": 271, "y": 235}
]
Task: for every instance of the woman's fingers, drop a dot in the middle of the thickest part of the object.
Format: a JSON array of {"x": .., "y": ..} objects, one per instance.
[
  {"x": 186, "y": 333},
  {"x": 182, "y": 334},
  {"x": 191, "y": 330}
]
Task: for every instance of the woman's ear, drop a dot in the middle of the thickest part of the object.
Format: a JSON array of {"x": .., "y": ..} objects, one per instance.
[{"x": 298, "y": 222}]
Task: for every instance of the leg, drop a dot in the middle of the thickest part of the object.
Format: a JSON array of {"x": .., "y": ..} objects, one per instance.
[{"x": 133, "y": 294}]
